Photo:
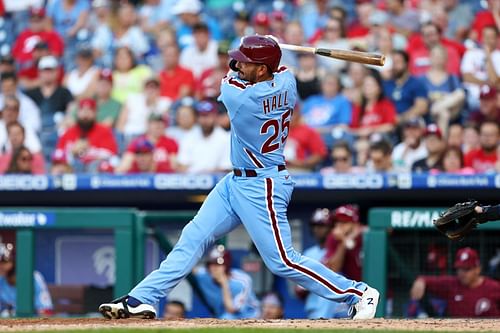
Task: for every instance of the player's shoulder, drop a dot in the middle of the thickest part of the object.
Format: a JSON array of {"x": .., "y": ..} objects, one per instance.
[
  {"x": 233, "y": 81},
  {"x": 489, "y": 282},
  {"x": 284, "y": 73}
]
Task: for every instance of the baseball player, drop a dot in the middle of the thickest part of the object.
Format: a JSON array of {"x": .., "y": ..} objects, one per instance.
[
  {"x": 317, "y": 307},
  {"x": 228, "y": 290},
  {"x": 467, "y": 294},
  {"x": 259, "y": 96},
  {"x": 41, "y": 297}
]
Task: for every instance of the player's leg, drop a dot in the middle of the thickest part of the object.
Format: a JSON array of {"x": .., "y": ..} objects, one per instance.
[
  {"x": 262, "y": 208},
  {"x": 214, "y": 219}
]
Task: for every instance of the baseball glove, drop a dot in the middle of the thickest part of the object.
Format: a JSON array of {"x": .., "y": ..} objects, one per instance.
[{"x": 457, "y": 221}]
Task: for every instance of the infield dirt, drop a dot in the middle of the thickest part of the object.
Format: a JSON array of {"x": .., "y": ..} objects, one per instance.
[{"x": 456, "y": 325}]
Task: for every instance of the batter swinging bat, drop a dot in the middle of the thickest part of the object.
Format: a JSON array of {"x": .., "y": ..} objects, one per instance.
[{"x": 355, "y": 56}]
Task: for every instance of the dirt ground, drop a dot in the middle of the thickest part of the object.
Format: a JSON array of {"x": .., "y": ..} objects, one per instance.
[{"x": 476, "y": 325}]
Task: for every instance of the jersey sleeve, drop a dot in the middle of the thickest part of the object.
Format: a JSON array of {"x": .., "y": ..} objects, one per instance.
[
  {"x": 438, "y": 285},
  {"x": 233, "y": 93},
  {"x": 241, "y": 290}
]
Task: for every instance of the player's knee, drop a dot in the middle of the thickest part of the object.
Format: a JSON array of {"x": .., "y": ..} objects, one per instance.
[
  {"x": 192, "y": 235},
  {"x": 280, "y": 269}
]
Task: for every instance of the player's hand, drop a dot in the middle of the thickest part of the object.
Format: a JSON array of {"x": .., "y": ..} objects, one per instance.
[{"x": 219, "y": 274}]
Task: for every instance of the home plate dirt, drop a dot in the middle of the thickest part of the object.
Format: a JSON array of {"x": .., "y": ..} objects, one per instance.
[{"x": 43, "y": 324}]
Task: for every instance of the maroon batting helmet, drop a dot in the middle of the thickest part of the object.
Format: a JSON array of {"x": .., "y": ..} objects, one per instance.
[
  {"x": 258, "y": 49},
  {"x": 219, "y": 255}
]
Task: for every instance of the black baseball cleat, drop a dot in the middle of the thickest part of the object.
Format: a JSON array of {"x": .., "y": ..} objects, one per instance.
[{"x": 120, "y": 309}]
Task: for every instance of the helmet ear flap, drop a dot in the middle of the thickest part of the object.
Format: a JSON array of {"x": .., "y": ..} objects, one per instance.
[{"x": 232, "y": 65}]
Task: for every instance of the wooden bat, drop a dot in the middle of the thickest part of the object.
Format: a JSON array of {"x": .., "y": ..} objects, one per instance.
[{"x": 355, "y": 56}]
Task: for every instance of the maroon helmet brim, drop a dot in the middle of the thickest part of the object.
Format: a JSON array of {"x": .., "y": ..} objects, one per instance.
[{"x": 239, "y": 56}]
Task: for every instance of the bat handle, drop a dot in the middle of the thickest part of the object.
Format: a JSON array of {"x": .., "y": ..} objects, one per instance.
[{"x": 355, "y": 56}]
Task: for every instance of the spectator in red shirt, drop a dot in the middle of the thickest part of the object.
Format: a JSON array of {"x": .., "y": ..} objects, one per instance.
[
  {"x": 468, "y": 294},
  {"x": 87, "y": 142},
  {"x": 420, "y": 56},
  {"x": 489, "y": 17},
  {"x": 60, "y": 165},
  {"x": 361, "y": 26},
  {"x": 305, "y": 149},
  {"x": 376, "y": 114},
  {"x": 21, "y": 162},
  {"x": 452, "y": 162},
  {"x": 143, "y": 157},
  {"x": 488, "y": 108},
  {"x": 261, "y": 24},
  {"x": 484, "y": 159},
  {"x": 38, "y": 31},
  {"x": 164, "y": 152},
  {"x": 175, "y": 81},
  {"x": 208, "y": 84}
]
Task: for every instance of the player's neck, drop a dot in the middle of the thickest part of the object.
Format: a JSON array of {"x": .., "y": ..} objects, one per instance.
[{"x": 266, "y": 77}]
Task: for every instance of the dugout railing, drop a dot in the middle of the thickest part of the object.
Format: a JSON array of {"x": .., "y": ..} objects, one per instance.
[
  {"x": 402, "y": 243},
  {"x": 26, "y": 221}
]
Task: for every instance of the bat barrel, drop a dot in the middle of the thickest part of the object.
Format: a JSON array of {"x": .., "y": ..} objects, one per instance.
[{"x": 354, "y": 56}]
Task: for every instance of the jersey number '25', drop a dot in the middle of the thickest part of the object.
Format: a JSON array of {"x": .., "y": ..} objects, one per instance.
[{"x": 274, "y": 127}]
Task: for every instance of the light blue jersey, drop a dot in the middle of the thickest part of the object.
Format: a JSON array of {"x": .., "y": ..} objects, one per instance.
[
  {"x": 42, "y": 299},
  {"x": 256, "y": 197},
  {"x": 260, "y": 115},
  {"x": 240, "y": 284}
]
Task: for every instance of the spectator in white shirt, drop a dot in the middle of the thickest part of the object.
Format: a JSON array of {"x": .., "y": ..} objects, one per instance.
[
  {"x": 128, "y": 33},
  {"x": 206, "y": 149},
  {"x": 132, "y": 121},
  {"x": 201, "y": 55},
  {"x": 185, "y": 119},
  {"x": 481, "y": 66},
  {"x": 10, "y": 114},
  {"x": 29, "y": 113},
  {"x": 412, "y": 148}
]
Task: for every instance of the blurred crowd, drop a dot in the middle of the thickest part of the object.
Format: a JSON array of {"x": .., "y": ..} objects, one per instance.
[{"x": 115, "y": 86}]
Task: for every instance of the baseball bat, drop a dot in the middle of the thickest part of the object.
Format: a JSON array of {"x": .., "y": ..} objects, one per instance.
[{"x": 355, "y": 56}]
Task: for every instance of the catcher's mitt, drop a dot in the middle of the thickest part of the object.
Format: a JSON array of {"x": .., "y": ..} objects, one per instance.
[{"x": 457, "y": 221}]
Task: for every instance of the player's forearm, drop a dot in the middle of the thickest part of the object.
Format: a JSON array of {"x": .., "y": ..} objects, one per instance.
[
  {"x": 418, "y": 289},
  {"x": 336, "y": 261},
  {"x": 492, "y": 73},
  {"x": 227, "y": 298},
  {"x": 470, "y": 78},
  {"x": 490, "y": 213}
]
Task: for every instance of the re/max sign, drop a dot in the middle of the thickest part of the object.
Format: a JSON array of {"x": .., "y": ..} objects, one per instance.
[{"x": 413, "y": 219}]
